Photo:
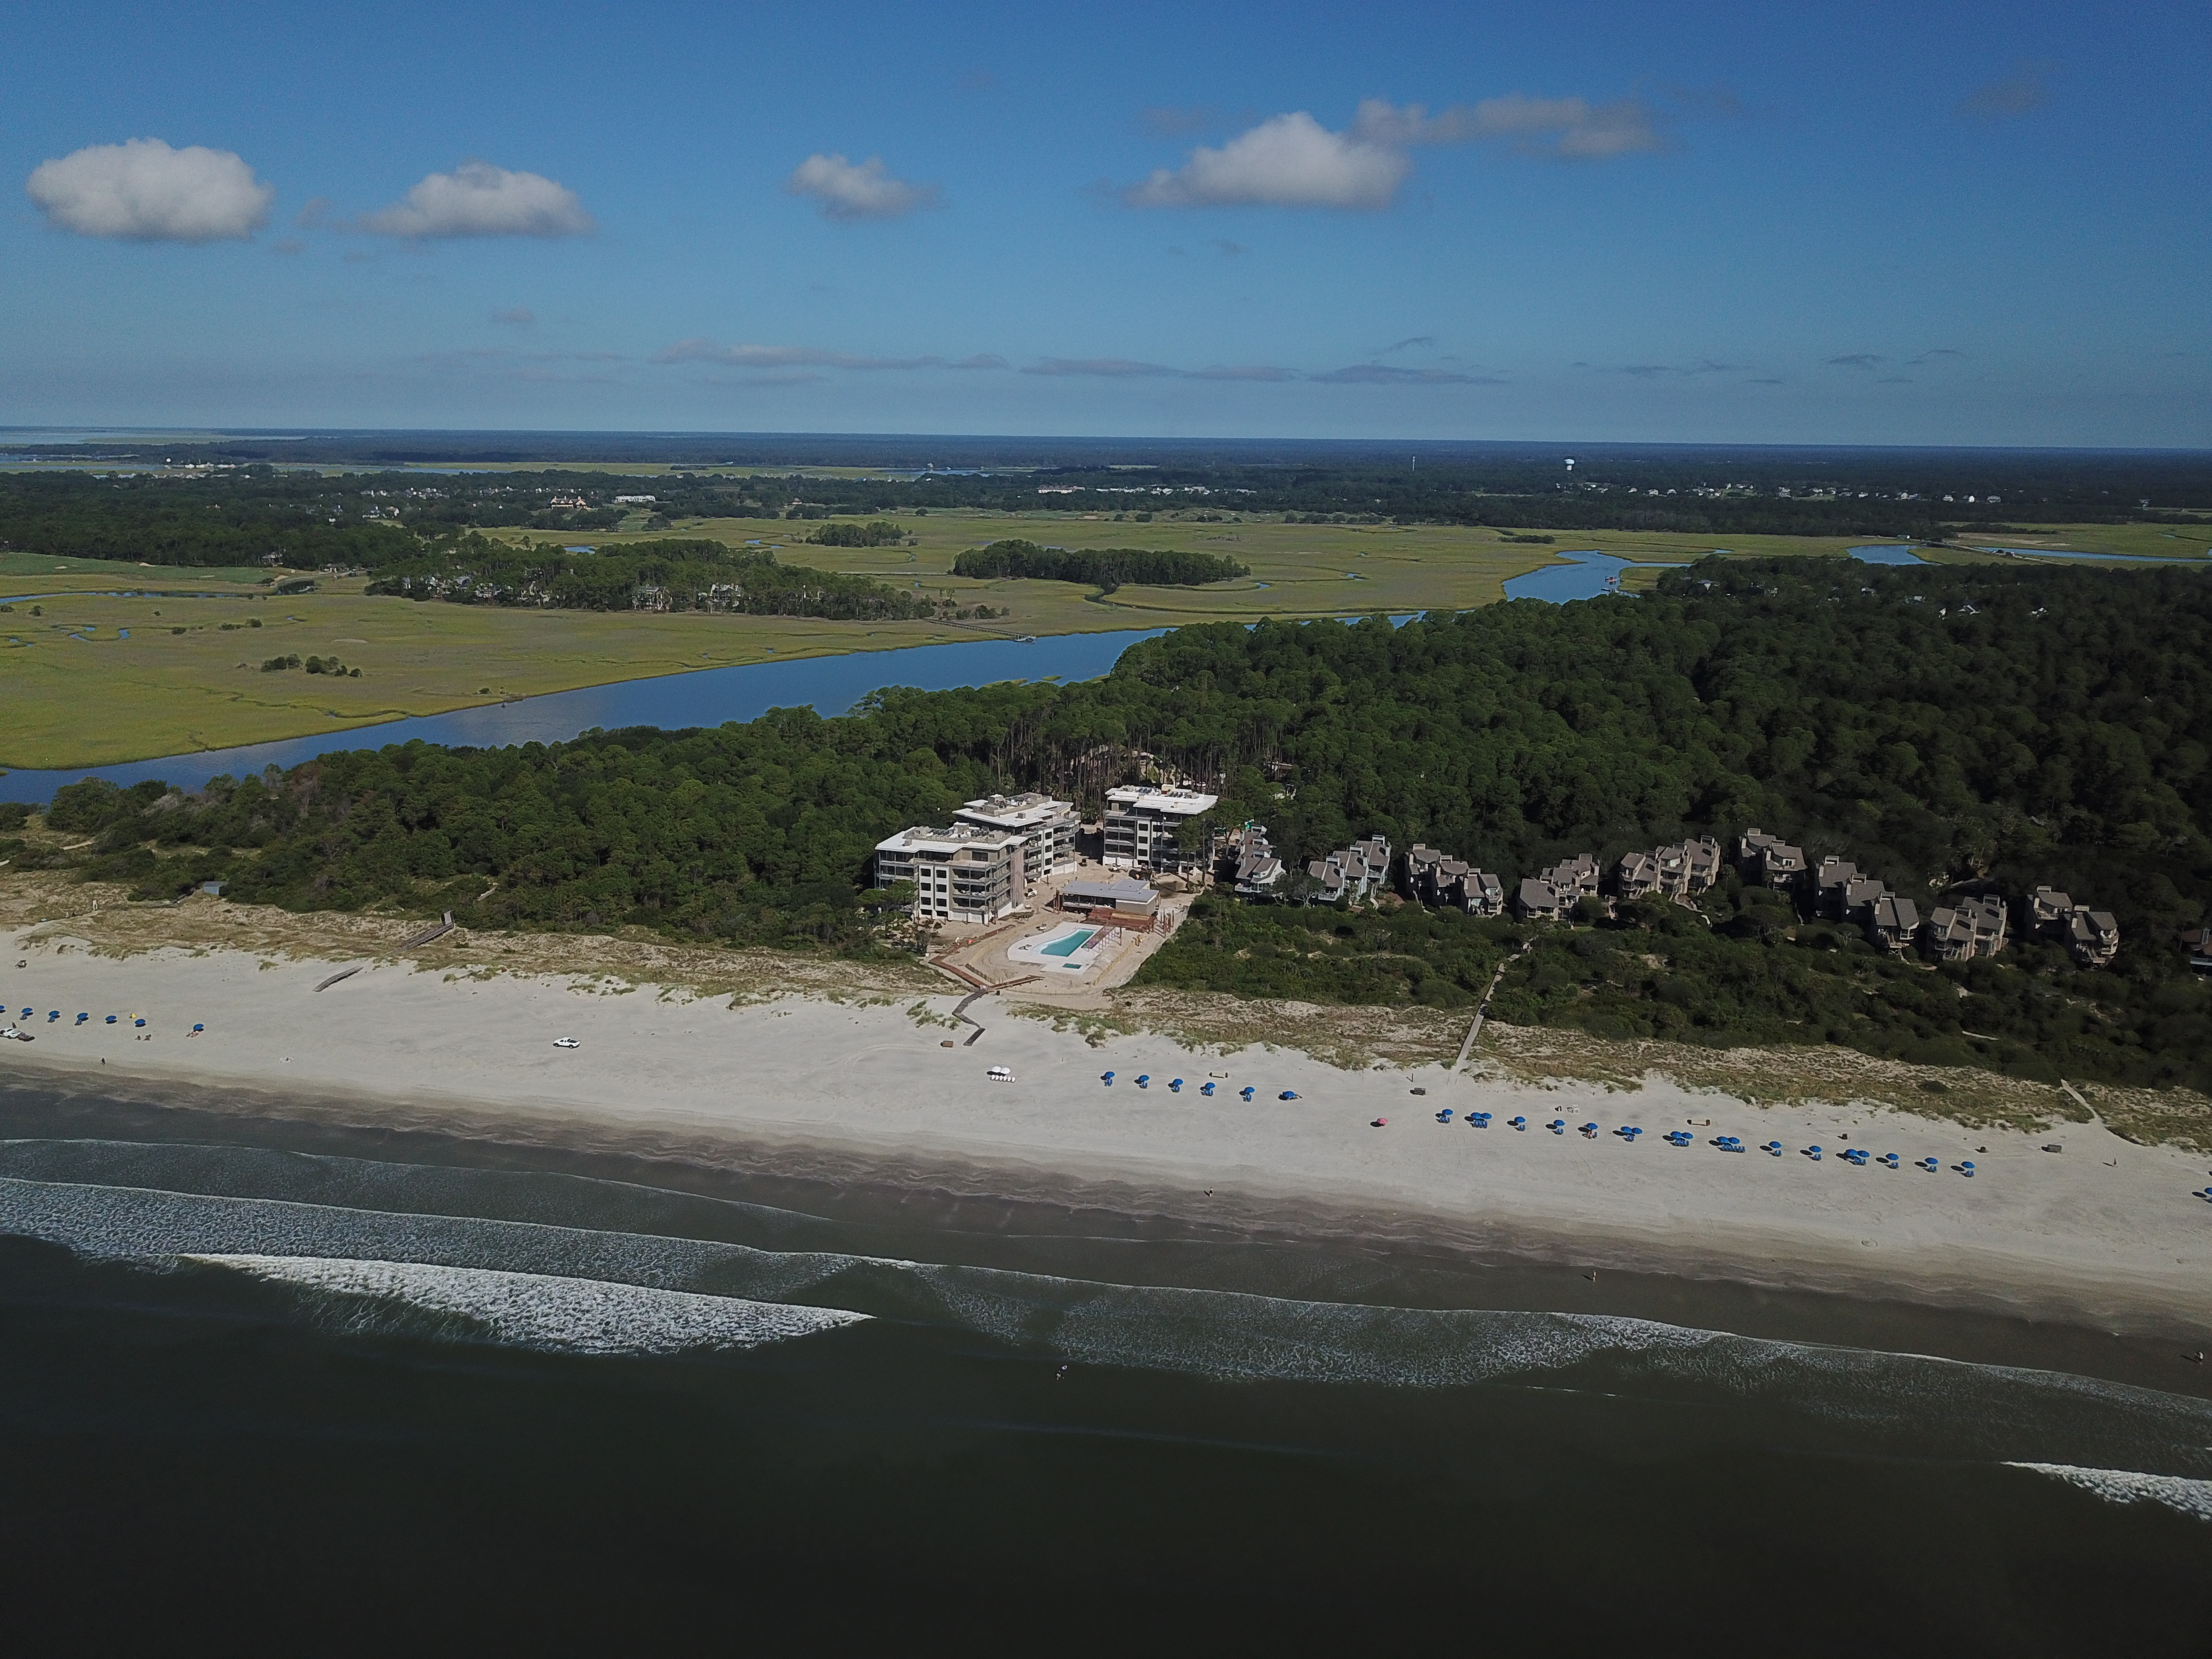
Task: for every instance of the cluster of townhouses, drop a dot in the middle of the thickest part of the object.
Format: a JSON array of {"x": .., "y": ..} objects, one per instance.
[
  {"x": 986, "y": 862},
  {"x": 1552, "y": 896},
  {"x": 1247, "y": 860},
  {"x": 1682, "y": 871},
  {"x": 1352, "y": 872},
  {"x": 1959, "y": 931},
  {"x": 2092, "y": 936},
  {"x": 1437, "y": 879},
  {"x": 1841, "y": 893}
]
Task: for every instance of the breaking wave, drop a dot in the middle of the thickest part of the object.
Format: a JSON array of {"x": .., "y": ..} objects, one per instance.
[
  {"x": 470, "y": 1267},
  {"x": 2189, "y": 1497},
  {"x": 528, "y": 1310}
]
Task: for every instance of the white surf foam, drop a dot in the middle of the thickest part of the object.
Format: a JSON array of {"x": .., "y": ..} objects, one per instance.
[
  {"x": 2191, "y": 1498},
  {"x": 1905, "y": 1401},
  {"x": 543, "y": 1312}
]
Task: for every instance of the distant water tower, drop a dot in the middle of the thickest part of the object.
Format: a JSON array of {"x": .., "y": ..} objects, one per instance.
[{"x": 1571, "y": 462}]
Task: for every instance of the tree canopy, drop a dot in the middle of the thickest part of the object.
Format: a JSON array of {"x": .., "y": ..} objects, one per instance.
[
  {"x": 2002, "y": 726},
  {"x": 1108, "y": 568}
]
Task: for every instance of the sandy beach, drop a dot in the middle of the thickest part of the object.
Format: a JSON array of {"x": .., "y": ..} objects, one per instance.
[{"x": 2105, "y": 1232}]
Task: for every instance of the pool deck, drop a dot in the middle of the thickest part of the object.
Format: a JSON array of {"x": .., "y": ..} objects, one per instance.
[{"x": 1012, "y": 950}]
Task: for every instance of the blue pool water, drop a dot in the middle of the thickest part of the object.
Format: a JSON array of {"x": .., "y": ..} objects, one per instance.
[
  {"x": 705, "y": 696},
  {"x": 1068, "y": 946}
]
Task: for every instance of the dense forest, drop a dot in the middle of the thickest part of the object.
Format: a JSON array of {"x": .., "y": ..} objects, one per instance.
[
  {"x": 661, "y": 575},
  {"x": 878, "y": 532},
  {"x": 1993, "y": 727},
  {"x": 1105, "y": 568}
]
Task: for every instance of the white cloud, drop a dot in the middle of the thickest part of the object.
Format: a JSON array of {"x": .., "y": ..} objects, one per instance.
[
  {"x": 865, "y": 192},
  {"x": 478, "y": 199},
  {"x": 145, "y": 192},
  {"x": 1292, "y": 161},
  {"x": 1572, "y": 128},
  {"x": 1287, "y": 161}
]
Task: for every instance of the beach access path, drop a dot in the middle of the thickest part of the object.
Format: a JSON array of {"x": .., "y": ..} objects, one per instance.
[{"x": 2105, "y": 1232}]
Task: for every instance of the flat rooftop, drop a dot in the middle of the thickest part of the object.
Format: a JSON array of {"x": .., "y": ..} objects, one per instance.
[
  {"x": 924, "y": 839},
  {"x": 1182, "y": 803},
  {"x": 1122, "y": 895},
  {"x": 1024, "y": 811}
]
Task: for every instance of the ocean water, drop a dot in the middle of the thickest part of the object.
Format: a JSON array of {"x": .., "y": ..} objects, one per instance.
[{"x": 271, "y": 1385}]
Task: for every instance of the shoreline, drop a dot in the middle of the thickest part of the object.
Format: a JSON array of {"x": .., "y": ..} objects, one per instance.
[{"x": 862, "y": 1095}]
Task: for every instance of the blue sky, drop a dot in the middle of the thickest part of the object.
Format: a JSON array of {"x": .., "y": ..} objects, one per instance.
[{"x": 1749, "y": 224}]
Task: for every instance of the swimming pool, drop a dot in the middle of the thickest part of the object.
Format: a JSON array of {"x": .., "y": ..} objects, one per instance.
[{"x": 1068, "y": 943}]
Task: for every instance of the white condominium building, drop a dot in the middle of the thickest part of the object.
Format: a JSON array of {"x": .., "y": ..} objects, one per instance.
[
  {"x": 964, "y": 873},
  {"x": 1046, "y": 827},
  {"x": 1141, "y": 823}
]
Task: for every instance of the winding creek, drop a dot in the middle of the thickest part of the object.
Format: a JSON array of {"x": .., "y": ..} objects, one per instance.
[{"x": 710, "y": 696}]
